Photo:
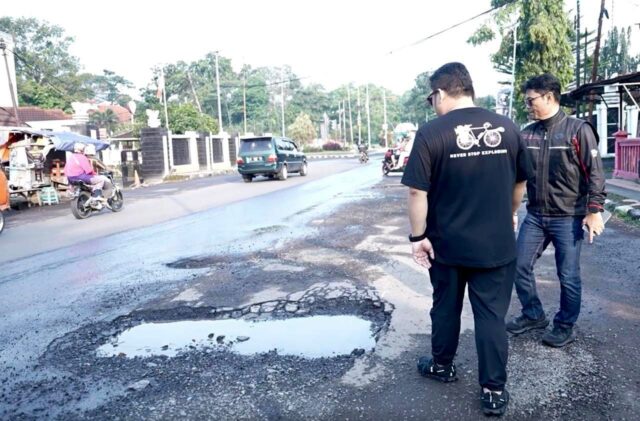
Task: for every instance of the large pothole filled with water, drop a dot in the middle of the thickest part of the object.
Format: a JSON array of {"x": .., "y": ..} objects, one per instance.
[
  {"x": 322, "y": 322},
  {"x": 309, "y": 337}
]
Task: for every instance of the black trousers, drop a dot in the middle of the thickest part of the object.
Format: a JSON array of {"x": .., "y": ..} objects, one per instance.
[{"x": 489, "y": 294}]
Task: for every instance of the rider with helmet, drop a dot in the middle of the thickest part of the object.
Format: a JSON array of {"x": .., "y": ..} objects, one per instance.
[{"x": 78, "y": 168}]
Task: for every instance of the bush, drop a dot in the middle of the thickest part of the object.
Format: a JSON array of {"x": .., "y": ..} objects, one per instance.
[{"x": 332, "y": 146}]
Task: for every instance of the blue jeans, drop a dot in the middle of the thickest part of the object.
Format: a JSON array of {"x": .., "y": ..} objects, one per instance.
[{"x": 566, "y": 235}]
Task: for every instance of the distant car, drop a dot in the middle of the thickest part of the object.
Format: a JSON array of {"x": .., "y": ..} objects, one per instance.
[{"x": 271, "y": 157}]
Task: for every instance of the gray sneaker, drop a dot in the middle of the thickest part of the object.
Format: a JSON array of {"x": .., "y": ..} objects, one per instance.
[
  {"x": 522, "y": 324},
  {"x": 559, "y": 337}
]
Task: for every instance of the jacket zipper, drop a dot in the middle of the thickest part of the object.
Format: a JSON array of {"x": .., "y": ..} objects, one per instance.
[{"x": 542, "y": 199}]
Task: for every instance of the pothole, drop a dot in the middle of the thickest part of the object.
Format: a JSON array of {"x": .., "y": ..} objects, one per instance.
[
  {"x": 309, "y": 337},
  {"x": 331, "y": 320}
]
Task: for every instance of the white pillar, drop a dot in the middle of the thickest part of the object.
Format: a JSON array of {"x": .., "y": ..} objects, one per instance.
[
  {"x": 207, "y": 148},
  {"x": 601, "y": 114},
  {"x": 632, "y": 120},
  {"x": 165, "y": 154}
]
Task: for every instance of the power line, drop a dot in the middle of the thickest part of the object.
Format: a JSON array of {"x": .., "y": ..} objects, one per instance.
[
  {"x": 63, "y": 94},
  {"x": 413, "y": 44}
]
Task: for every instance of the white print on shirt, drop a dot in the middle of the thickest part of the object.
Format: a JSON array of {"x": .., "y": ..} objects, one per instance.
[{"x": 466, "y": 139}]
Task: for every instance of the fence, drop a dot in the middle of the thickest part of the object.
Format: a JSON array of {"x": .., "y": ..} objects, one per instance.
[
  {"x": 164, "y": 153},
  {"x": 627, "y": 160}
]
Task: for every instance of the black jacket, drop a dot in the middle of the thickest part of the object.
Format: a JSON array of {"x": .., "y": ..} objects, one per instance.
[{"x": 568, "y": 169}]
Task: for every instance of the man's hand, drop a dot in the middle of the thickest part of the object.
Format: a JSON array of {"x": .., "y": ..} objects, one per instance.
[
  {"x": 422, "y": 251},
  {"x": 515, "y": 222},
  {"x": 594, "y": 225}
]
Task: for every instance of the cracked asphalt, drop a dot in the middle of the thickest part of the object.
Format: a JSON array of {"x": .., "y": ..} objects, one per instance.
[{"x": 354, "y": 260}]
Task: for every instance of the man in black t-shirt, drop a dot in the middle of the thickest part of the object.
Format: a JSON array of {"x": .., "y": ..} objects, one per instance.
[{"x": 473, "y": 166}]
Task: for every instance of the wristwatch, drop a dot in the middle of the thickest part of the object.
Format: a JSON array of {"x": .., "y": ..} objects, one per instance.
[{"x": 418, "y": 238}]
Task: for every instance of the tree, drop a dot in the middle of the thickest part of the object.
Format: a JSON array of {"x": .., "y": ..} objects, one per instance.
[
  {"x": 108, "y": 87},
  {"x": 46, "y": 73},
  {"x": 615, "y": 57},
  {"x": 186, "y": 117},
  {"x": 488, "y": 102},
  {"x": 544, "y": 33},
  {"x": 106, "y": 119},
  {"x": 414, "y": 101},
  {"x": 302, "y": 129}
]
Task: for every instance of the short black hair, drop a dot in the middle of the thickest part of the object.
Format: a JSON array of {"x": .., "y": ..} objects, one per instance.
[
  {"x": 454, "y": 79},
  {"x": 542, "y": 84}
]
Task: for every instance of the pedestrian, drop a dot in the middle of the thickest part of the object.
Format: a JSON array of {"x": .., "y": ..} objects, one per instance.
[
  {"x": 566, "y": 194},
  {"x": 466, "y": 176}
]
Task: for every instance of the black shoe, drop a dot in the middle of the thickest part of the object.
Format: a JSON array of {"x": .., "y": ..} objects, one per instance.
[
  {"x": 559, "y": 337},
  {"x": 494, "y": 403},
  {"x": 444, "y": 373},
  {"x": 522, "y": 324}
]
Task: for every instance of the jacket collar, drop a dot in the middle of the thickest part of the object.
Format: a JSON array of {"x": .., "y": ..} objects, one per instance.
[{"x": 552, "y": 121}]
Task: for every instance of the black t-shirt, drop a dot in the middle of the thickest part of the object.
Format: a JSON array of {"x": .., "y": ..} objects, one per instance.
[{"x": 469, "y": 161}]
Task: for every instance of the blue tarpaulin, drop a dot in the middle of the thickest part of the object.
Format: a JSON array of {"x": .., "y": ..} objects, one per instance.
[{"x": 64, "y": 141}]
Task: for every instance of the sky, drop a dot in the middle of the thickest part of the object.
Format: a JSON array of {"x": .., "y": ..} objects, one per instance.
[{"x": 330, "y": 42}]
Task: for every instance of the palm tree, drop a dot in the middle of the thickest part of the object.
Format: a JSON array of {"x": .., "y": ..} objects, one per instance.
[{"x": 106, "y": 119}]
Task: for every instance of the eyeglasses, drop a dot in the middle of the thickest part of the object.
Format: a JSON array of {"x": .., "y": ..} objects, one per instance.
[
  {"x": 430, "y": 98},
  {"x": 528, "y": 101}
]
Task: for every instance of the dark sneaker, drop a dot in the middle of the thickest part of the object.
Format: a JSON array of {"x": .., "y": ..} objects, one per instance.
[
  {"x": 559, "y": 337},
  {"x": 494, "y": 403},
  {"x": 522, "y": 324},
  {"x": 444, "y": 373}
]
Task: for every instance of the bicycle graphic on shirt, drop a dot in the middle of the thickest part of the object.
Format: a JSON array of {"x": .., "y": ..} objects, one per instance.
[{"x": 466, "y": 139}]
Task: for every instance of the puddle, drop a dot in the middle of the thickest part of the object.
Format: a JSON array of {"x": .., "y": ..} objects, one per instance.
[{"x": 309, "y": 337}]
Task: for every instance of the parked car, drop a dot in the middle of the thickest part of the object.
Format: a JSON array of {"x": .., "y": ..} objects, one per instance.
[{"x": 270, "y": 157}]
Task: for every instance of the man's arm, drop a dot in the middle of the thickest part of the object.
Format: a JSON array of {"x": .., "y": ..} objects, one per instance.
[
  {"x": 518, "y": 195},
  {"x": 421, "y": 250},
  {"x": 418, "y": 206},
  {"x": 592, "y": 165},
  {"x": 591, "y": 169}
]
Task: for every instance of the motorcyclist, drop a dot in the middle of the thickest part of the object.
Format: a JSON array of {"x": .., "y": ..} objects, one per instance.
[
  {"x": 79, "y": 168},
  {"x": 362, "y": 148}
]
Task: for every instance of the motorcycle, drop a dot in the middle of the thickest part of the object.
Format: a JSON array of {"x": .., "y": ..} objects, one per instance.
[
  {"x": 83, "y": 204},
  {"x": 388, "y": 165},
  {"x": 364, "y": 156}
]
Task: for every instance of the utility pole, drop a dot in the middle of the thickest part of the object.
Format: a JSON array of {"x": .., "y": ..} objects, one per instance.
[
  {"x": 282, "y": 105},
  {"x": 220, "y": 130},
  {"x": 359, "y": 120},
  {"x": 339, "y": 121},
  {"x": 244, "y": 101},
  {"x": 350, "y": 115},
  {"x": 513, "y": 69},
  {"x": 344, "y": 121},
  {"x": 3, "y": 47},
  {"x": 368, "y": 119},
  {"x": 596, "y": 55},
  {"x": 164, "y": 98},
  {"x": 577, "y": 54},
  {"x": 385, "y": 126}
]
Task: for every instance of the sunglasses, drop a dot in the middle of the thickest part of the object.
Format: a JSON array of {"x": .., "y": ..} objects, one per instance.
[
  {"x": 430, "y": 98},
  {"x": 528, "y": 101}
]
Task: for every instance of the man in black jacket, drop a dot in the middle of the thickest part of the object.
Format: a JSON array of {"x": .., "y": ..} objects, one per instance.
[{"x": 566, "y": 194}]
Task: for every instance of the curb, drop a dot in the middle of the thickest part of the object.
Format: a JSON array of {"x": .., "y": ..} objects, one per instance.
[
  {"x": 331, "y": 156},
  {"x": 628, "y": 207}
]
